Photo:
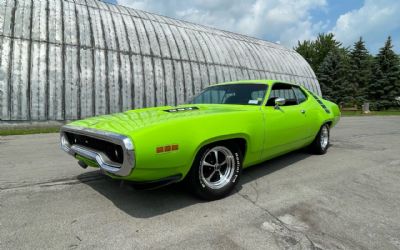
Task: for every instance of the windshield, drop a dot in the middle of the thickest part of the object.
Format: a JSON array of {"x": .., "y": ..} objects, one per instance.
[{"x": 240, "y": 94}]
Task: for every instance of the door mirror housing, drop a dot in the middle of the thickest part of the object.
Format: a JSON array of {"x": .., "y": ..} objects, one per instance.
[{"x": 279, "y": 102}]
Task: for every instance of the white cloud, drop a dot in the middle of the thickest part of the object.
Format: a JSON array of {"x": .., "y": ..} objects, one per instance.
[
  {"x": 374, "y": 21},
  {"x": 285, "y": 21}
]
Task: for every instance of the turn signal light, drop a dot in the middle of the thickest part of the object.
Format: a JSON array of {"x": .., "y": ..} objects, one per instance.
[{"x": 167, "y": 148}]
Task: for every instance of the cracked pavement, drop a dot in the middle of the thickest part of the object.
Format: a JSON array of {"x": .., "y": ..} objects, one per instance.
[{"x": 346, "y": 199}]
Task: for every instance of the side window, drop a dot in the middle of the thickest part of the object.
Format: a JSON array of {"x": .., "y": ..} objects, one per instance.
[
  {"x": 301, "y": 96},
  {"x": 284, "y": 91}
]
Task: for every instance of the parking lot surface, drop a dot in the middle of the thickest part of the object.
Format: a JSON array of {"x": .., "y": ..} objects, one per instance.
[{"x": 346, "y": 199}]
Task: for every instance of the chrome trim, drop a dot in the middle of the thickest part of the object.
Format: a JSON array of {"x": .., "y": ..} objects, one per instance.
[{"x": 102, "y": 160}]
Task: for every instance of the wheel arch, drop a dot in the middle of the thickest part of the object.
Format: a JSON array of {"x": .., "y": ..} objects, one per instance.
[{"x": 240, "y": 139}]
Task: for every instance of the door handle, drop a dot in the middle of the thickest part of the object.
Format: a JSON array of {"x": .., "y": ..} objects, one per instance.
[{"x": 303, "y": 111}]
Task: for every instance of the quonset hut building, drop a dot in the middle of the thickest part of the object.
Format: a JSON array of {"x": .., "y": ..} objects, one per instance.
[{"x": 70, "y": 59}]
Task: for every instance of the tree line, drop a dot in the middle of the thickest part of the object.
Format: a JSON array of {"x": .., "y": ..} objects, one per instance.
[{"x": 351, "y": 75}]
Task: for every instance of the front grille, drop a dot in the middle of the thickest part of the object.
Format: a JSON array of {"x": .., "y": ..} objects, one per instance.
[{"x": 113, "y": 151}]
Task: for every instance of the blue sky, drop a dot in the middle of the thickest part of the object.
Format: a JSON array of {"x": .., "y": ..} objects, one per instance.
[{"x": 287, "y": 21}]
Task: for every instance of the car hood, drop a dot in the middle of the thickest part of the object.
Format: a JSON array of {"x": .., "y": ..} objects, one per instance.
[{"x": 132, "y": 120}]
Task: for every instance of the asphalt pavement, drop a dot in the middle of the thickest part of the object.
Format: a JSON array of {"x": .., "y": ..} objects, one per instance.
[{"x": 346, "y": 199}]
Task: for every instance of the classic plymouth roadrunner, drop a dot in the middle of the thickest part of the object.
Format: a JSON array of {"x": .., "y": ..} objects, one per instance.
[{"x": 207, "y": 143}]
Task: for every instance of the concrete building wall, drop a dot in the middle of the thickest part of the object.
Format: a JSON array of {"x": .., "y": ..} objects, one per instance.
[{"x": 70, "y": 59}]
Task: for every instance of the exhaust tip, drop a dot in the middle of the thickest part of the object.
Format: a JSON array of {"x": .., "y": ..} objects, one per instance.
[{"x": 82, "y": 164}]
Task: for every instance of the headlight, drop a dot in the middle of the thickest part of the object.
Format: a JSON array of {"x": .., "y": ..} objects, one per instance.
[
  {"x": 128, "y": 144},
  {"x": 64, "y": 142}
]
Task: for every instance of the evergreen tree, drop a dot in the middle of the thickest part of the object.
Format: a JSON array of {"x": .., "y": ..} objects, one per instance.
[
  {"x": 359, "y": 73},
  {"x": 307, "y": 50},
  {"x": 324, "y": 44},
  {"x": 332, "y": 76},
  {"x": 316, "y": 51},
  {"x": 385, "y": 84}
]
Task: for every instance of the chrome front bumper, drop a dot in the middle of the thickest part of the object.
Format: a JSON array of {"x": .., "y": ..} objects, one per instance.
[{"x": 100, "y": 158}]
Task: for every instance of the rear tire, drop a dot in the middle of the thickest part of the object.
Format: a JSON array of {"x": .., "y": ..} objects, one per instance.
[
  {"x": 321, "y": 142},
  {"x": 215, "y": 171}
]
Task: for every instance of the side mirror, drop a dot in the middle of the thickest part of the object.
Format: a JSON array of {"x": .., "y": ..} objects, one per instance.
[{"x": 279, "y": 102}]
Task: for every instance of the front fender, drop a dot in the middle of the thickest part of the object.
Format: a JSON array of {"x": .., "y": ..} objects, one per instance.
[{"x": 190, "y": 135}]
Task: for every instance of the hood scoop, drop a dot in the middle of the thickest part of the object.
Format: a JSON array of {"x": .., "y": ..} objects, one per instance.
[{"x": 176, "y": 110}]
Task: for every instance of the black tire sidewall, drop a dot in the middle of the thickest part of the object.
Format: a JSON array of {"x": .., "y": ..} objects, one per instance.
[
  {"x": 201, "y": 189},
  {"x": 317, "y": 143}
]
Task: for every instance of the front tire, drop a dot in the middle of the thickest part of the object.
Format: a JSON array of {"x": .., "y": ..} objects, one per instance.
[
  {"x": 321, "y": 142},
  {"x": 215, "y": 171}
]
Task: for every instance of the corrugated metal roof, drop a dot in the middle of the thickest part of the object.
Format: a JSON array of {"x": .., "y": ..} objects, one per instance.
[{"x": 65, "y": 59}]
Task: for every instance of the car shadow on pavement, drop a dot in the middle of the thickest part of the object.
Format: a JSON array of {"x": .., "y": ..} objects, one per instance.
[{"x": 150, "y": 203}]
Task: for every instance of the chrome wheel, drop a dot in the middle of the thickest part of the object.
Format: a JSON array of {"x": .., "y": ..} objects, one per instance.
[
  {"x": 217, "y": 167},
  {"x": 324, "y": 137}
]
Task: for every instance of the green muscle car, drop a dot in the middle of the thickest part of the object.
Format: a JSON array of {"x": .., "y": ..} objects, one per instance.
[{"x": 207, "y": 142}]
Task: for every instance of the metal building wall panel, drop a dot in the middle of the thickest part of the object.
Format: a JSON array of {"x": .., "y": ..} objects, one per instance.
[
  {"x": 197, "y": 48},
  {"x": 223, "y": 50},
  {"x": 239, "y": 74},
  {"x": 5, "y": 44},
  {"x": 159, "y": 82},
  {"x": 100, "y": 78},
  {"x": 154, "y": 45},
  {"x": 97, "y": 29},
  {"x": 70, "y": 28},
  {"x": 187, "y": 73},
  {"x": 19, "y": 80},
  {"x": 126, "y": 82},
  {"x": 212, "y": 74},
  {"x": 169, "y": 83},
  {"x": 164, "y": 45},
  {"x": 55, "y": 21},
  {"x": 210, "y": 47},
  {"x": 22, "y": 21},
  {"x": 204, "y": 74},
  {"x": 72, "y": 84},
  {"x": 132, "y": 37},
  {"x": 149, "y": 84},
  {"x": 179, "y": 41},
  {"x": 245, "y": 61},
  {"x": 84, "y": 26},
  {"x": 6, "y": 17},
  {"x": 236, "y": 61},
  {"x": 113, "y": 81},
  {"x": 108, "y": 29},
  {"x": 188, "y": 44},
  {"x": 39, "y": 20},
  {"x": 227, "y": 74},
  {"x": 256, "y": 50},
  {"x": 215, "y": 49},
  {"x": 248, "y": 54},
  {"x": 87, "y": 83},
  {"x": 204, "y": 47},
  {"x": 144, "y": 40},
  {"x": 232, "y": 72},
  {"x": 174, "y": 50},
  {"x": 219, "y": 74},
  {"x": 120, "y": 32},
  {"x": 196, "y": 78},
  {"x": 38, "y": 83},
  {"x": 179, "y": 81},
  {"x": 138, "y": 81},
  {"x": 56, "y": 83}
]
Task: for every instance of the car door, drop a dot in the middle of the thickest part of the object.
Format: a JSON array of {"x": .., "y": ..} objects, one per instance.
[{"x": 285, "y": 126}]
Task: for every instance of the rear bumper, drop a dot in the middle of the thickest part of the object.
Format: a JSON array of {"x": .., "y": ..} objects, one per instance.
[{"x": 119, "y": 169}]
